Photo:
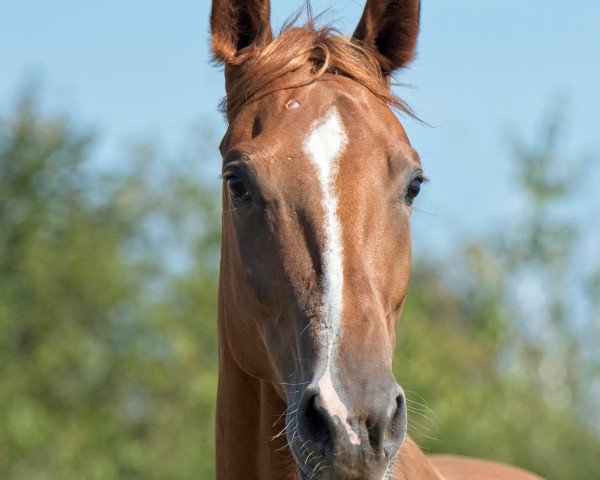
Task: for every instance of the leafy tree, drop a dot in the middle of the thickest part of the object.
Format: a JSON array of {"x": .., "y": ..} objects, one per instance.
[{"x": 107, "y": 352}]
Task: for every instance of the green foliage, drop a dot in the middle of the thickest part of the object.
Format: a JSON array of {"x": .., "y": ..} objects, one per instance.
[
  {"x": 108, "y": 319},
  {"x": 107, "y": 357}
]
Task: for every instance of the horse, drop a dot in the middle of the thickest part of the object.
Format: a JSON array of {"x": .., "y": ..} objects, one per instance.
[{"x": 319, "y": 180}]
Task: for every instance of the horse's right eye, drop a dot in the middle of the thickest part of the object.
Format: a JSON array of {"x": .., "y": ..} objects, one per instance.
[
  {"x": 236, "y": 187},
  {"x": 413, "y": 190}
]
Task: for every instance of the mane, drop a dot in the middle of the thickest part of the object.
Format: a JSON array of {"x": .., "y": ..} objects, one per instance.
[{"x": 329, "y": 52}]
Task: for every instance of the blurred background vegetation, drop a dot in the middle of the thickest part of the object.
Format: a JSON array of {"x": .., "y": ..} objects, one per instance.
[{"x": 108, "y": 285}]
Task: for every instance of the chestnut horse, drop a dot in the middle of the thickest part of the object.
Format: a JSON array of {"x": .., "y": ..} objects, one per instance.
[{"x": 319, "y": 181}]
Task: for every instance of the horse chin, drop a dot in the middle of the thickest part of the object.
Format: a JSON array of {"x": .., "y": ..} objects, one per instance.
[
  {"x": 329, "y": 473},
  {"x": 305, "y": 476},
  {"x": 313, "y": 466}
]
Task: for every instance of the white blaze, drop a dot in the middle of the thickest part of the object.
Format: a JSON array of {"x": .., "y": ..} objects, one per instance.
[{"x": 324, "y": 145}]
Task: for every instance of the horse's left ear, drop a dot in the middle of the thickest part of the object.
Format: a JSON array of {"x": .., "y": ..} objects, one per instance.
[
  {"x": 390, "y": 29},
  {"x": 238, "y": 24}
]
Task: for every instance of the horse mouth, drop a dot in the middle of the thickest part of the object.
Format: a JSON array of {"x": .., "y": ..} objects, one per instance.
[
  {"x": 311, "y": 464},
  {"x": 303, "y": 475},
  {"x": 314, "y": 466}
]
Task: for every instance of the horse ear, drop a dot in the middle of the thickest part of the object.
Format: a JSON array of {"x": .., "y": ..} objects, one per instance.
[
  {"x": 390, "y": 28},
  {"x": 237, "y": 24}
]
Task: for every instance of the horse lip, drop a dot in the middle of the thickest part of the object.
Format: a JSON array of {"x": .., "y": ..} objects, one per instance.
[{"x": 304, "y": 475}]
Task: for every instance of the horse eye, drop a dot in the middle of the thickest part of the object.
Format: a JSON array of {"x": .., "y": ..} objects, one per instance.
[
  {"x": 236, "y": 187},
  {"x": 413, "y": 190}
]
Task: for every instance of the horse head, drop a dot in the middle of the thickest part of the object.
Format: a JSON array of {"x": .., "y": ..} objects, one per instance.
[{"x": 319, "y": 183}]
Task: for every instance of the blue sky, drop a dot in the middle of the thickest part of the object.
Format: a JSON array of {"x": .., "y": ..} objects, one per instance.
[{"x": 138, "y": 69}]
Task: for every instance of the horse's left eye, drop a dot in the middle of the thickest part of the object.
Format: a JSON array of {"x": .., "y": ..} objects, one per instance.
[
  {"x": 236, "y": 187},
  {"x": 413, "y": 190}
]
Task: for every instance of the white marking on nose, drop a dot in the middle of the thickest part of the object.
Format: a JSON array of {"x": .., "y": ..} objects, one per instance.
[
  {"x": 324, "y": 145},
  {"x": 330, "y": 401}
]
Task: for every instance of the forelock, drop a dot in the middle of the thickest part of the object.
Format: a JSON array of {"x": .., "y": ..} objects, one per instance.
[{"x": 324, "y": 48}]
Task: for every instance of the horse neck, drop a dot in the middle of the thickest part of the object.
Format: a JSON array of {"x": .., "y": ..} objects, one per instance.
[
  {"x": 412, "y": 464},
  {"x": 250, "y": 418}
]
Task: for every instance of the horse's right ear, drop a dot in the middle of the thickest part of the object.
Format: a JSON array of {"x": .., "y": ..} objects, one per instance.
[
  {"x": 390, "y": 28},
  {"x": 238, "y": 24}
]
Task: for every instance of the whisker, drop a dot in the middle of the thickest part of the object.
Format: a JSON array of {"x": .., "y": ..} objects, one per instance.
[{"x": 292, "y": 384}]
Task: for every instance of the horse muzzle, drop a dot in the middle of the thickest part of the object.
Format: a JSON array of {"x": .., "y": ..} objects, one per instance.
[{"x": 349, "y": 440}]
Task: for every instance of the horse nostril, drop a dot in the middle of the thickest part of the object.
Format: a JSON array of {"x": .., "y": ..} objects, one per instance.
[
  {"x": 387, "y": 425},
  {"x": 313, "y": 423},
  {"x": 396, "y": 428},
  {"x": 374, "y": 433}
]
